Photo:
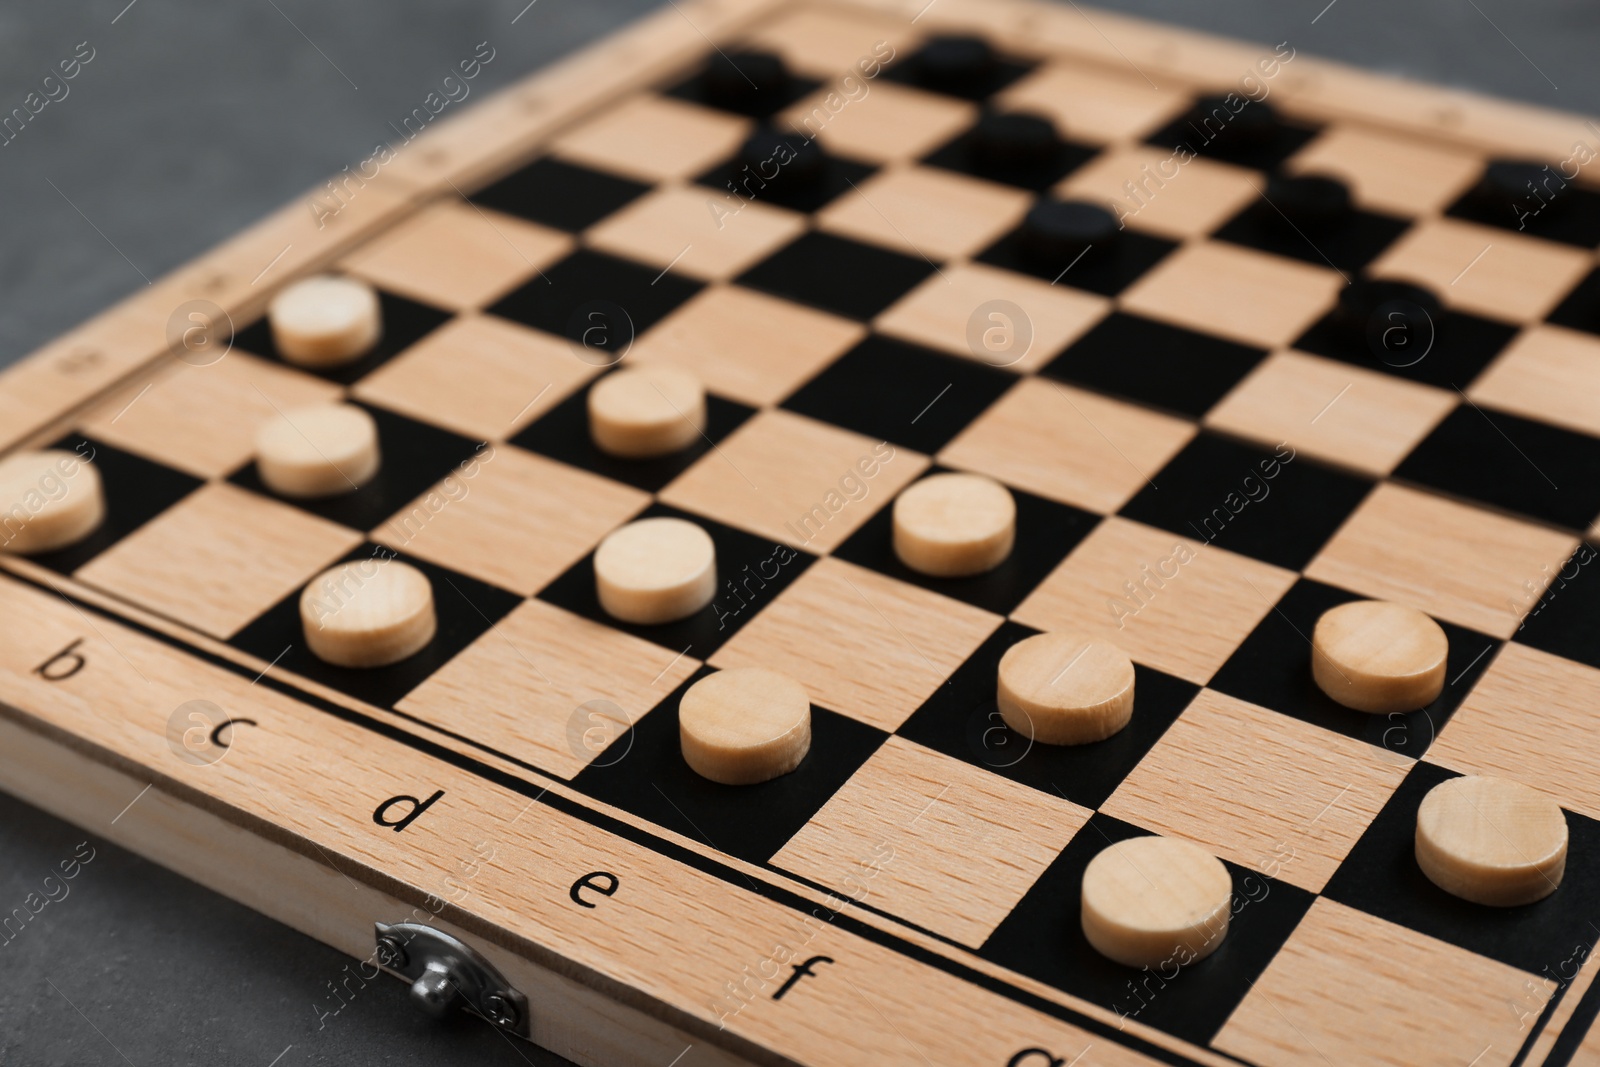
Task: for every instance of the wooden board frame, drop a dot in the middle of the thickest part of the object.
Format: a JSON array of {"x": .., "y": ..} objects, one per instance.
[{"x": 233, "y": 826}]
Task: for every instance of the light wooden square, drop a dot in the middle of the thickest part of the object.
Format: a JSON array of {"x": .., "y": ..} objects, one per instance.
[
  {"x": 749, "y": 346},
  {"x": 1548, "y": 374},
  {"x": 1530, "y": 718},
  {"x": 947, "y": 845},
  {"x": 1093, "y": 104},
  {"x": 925, "y": 212},
  {"x": 862, "y": 643},
  {"x": 793, "y": 479},
  {"x": 479, "y": 375},
  {"x": 654, "y": 138},
  {"x": 939, "y": 314},
  {"x": 203, "y": 420},
  {"x": 1149, "y": 190},
  {"x": 1451, "y": 560},
  {"x": 538, "y": 684},
  {"x": 677, "y": 227},
  {"x": 1235, "y": 292},
  {"x": 458, "y": 255},
  {"x": 1334, "y": 411},
  {"x": 1389, "y": 172},
  {"x": 1069, "y": 444},
  {"x": 830, "y": 43},
  {"x": 1483, "y": 270},
  {"x": 518, "y": 522},
  {"x": 218, "y": 558},
  {"x": 892, "y": 123},
  {"x": 1345, "y": 976},
  {"x": 1267, "y": 791},
  {"x": 1187, "y": 626}
]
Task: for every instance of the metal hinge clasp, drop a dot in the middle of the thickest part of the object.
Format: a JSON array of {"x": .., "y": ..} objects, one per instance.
[{"x": 445, "y": 974}]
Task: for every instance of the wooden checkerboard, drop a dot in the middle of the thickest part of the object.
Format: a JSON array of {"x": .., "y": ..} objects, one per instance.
[{"x": 1182, "y": 407}]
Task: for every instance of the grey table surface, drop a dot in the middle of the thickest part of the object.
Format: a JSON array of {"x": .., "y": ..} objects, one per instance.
[{"x": 195, "y": 118}]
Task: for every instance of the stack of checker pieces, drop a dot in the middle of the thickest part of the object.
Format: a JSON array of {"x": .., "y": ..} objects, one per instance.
[{"x": 1202, "y": 466}]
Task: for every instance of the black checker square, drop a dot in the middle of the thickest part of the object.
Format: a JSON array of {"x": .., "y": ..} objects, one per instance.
[
  {"x": 1571, "y": 216},
  {"x": 405, "y": 322},
  {"x": 1460, "y": 347},
  {"x": 761, "y": 84},
  {"x": 959, "y": 154},
  {"x": 1043, "y": 938},
  {"x": 1272, "y": 668},
  {"x": 751, "y": 571},
  {"x": 643, "y": 771},
  {"x": 466, "y": 609},
  {"x": 934, "y": 72},
  {"x": 738, "y": 182},
  {"x": 1580, "y": 309},
  {"x": 1259, "y": 140},
  {"x": 1272, "y": 505},
  {"x": 900, "y": 392},
  {"x": 1164, "y": 366},
  {"x": 1380, "y": 876},
  {"x": 837, "y": 274},
  {"x": 563, "y": 433},
  {"x": 1348, "y": 245},
  {"x": 1511, "y": 462},
  {"x": 1106, "y": 271},
  {"x": 561, "y": 195},
  {"x": 596, "y": 301},
  {"x": 416, "y": 456},
  {"x": 1046, "y": 533},
  {"x": 136, "y": 490},
  {"x": 1565, "y": 618},
  {"x": 962, "y": 720}
]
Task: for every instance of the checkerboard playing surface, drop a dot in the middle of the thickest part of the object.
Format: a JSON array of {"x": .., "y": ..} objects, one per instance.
[{"x": 1204, "y": 458}]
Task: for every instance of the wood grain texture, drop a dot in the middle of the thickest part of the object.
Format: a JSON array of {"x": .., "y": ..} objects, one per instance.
[
  {"x": 756, "y": 348},
  {"x": 1527, "y": 720},
  {"x": 1336, "y": 412},
  {"x": 1235, "y": 292},
  {"x": 950, "y": 846},
  {"x": 1484, "y": 270},
  {"x": 795, "y": 480},
  {"x": 1151, "y": 191},
  {"x": 1267, "y": 791},
  {"x": 549, "y": 687},
  {"x": 1548, "y": 374},
  {"x": 1187, "y": 625},
  {"x": 481, "y": 376},
  {"x": 1455, "y": 562},
  {"x": 1092, "y": 104},
  {"x": 219, "y": 558},
  {"x": 925, "y": 212},
  {"x": 828, "y": 41},
  {"x": 518, "y": 522},
  {"x": 1387, "y": 172},
  {"x": 654, "y": 138},
  {"x": 1345, "y": 975},
  {"x": 676, "y": 226},
  {"x": 1068, "y": 444},
  {"x": 892, "y": 124},
  {"x": 939, "y": 314},
  {"x": 457, "y": 255},
  {"x": 862, "y": 643},
  {"x": 202, "y": 420}
]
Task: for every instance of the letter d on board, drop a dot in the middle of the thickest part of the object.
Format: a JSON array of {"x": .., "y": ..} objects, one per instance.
[{"x": 381, "y": 814}]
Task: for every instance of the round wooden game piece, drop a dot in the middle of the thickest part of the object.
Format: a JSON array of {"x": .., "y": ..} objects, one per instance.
[
  {"x": 954, "y": 525},
  {"x": 325, "y": 321},
  {"x": 655, "y": 570},
  {"x": 50, "y": 500},
  {"x": 1057, "y": 234},
  {"x": 1014, "y": 138},
  {"x": 956, "y": 63},
  {"x": 320, "y": 450},
  {"x": 1377, "y": 656},
  {"x": 1312, "y": 202},
  {"x": 646, "y": 411},
  {"x": 368, "y": 613},
  {"x": 1491, "y": 841},
  {"x": 744, "y": 725},
  {"x": 1062, "y": 689},
  {"x": 1153, "y": 901}
]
